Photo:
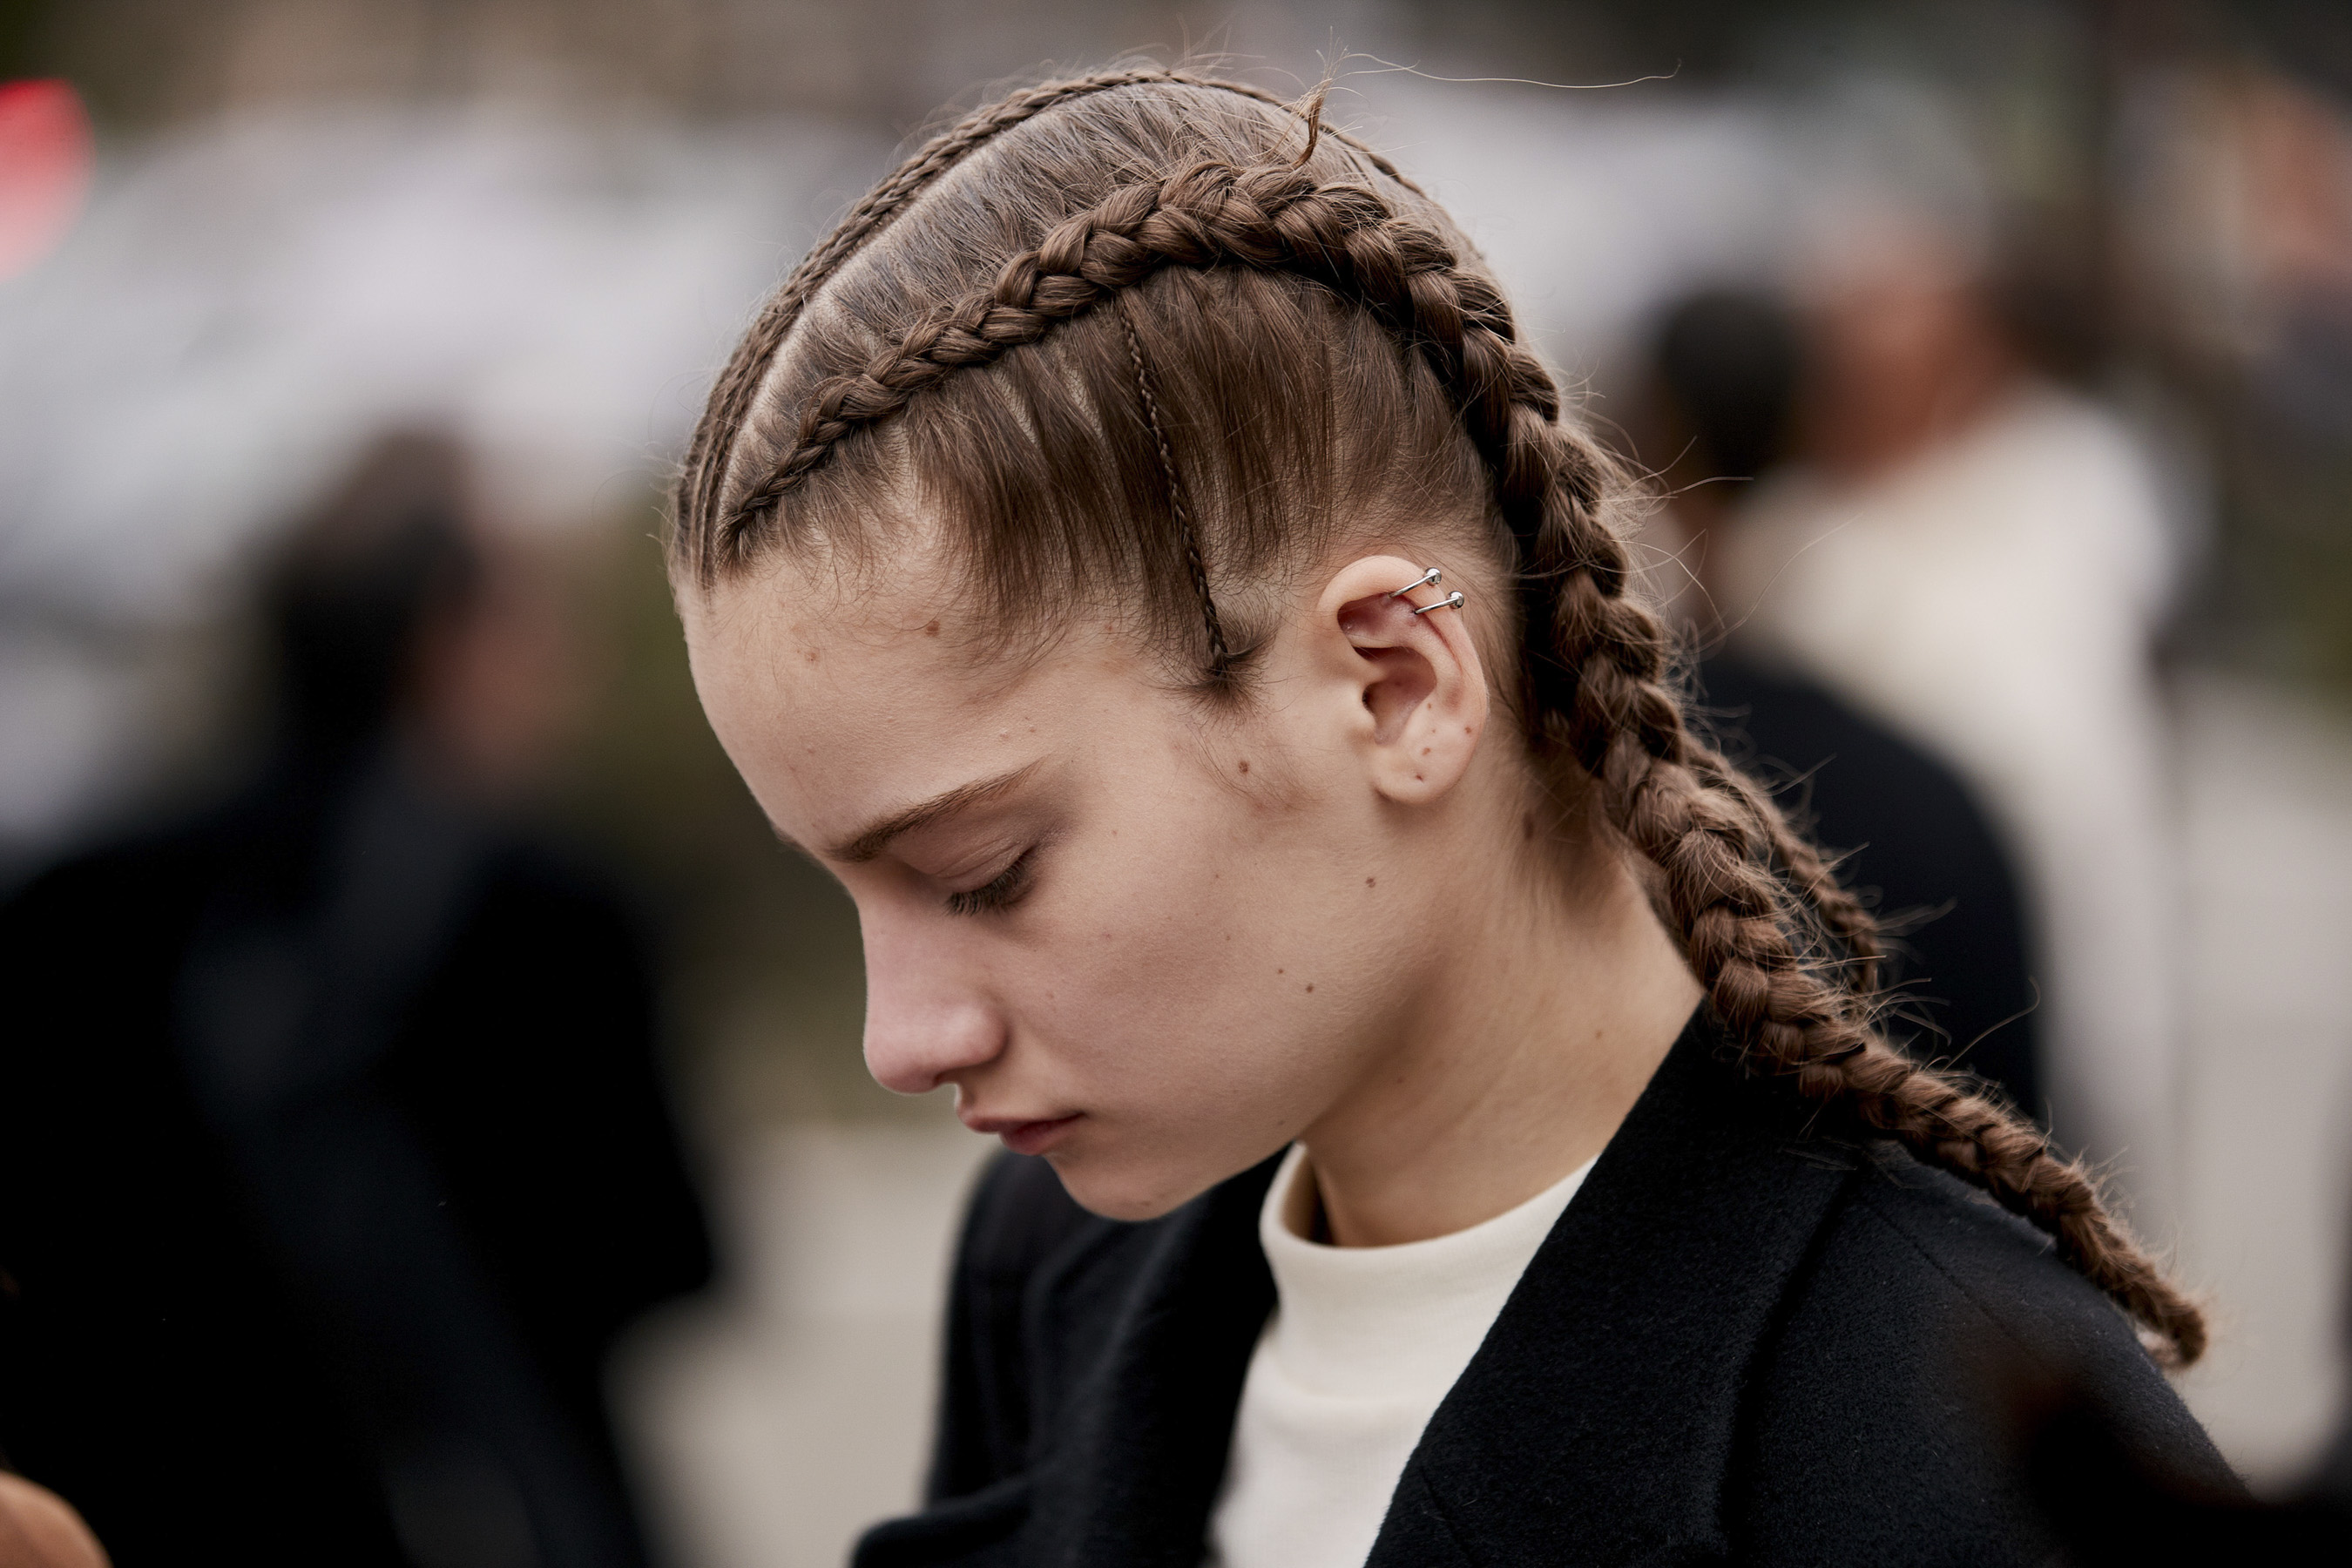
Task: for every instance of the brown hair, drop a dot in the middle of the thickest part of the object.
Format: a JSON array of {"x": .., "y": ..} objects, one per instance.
[{"x": 1160, "y": 340}]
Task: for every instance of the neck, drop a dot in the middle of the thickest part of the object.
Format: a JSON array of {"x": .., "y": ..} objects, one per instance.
[{"x": 1541, "y": 1024}]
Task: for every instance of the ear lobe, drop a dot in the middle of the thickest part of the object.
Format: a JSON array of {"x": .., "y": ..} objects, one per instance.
[{"x": 1418, "y": 676}]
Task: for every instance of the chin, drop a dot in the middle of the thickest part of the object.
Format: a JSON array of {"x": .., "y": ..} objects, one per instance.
[{"x": 1104, "y": 1185}]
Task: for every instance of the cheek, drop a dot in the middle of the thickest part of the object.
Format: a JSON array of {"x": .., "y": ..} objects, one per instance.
[{"x": 1204, "y": 982}]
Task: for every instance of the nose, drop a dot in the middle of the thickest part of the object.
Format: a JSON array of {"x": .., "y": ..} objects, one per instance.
[{"x": 927, "y": 1018}]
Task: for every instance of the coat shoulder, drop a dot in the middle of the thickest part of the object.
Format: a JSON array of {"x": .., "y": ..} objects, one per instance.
[
  {"x": 1018, "y": 1223},
  {"x": 1019, "y": 1215},
  {"x": 1875, "y": 1431},
  {"x": 1947, "y": 1255}
]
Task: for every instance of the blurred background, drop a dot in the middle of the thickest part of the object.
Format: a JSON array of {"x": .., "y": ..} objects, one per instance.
[{"x": 1994, "y": 359}]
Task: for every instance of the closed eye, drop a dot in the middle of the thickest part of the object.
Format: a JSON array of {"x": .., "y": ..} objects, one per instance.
[{"x": 1003, "y": 892}]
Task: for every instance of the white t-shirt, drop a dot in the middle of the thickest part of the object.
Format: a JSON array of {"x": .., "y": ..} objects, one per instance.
[{"x": 1363, "y": 1344}]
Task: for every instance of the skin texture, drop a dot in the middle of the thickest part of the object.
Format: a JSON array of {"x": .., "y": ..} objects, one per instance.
[
  {"x": 38, "y": 1530},
  {"x": 1323, "y": 916}
]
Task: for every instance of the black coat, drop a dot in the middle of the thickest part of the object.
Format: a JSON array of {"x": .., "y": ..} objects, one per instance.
[
  {"x": 1741, "y": 1342},
  {"x": 176, "y": 1357}
]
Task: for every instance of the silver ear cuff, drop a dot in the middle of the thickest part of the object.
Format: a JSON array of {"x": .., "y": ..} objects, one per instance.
[{"x": 1428, "y": 579}]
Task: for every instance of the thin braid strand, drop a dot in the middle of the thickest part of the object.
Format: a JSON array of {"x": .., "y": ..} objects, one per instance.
[{"x": 1221, "y": 658}]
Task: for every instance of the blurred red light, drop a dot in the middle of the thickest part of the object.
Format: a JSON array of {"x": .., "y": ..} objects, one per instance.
[{"x": 45, "y": 167}]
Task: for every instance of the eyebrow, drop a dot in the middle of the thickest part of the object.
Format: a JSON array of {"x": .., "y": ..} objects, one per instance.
[{"x": 870, "y": 841}]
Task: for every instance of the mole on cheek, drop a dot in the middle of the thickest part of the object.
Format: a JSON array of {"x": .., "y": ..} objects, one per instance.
[
  {"x": 1245, "y": 765},
  {"x": 931, "y": 628},
  {"x": 1371, "y": 882}
]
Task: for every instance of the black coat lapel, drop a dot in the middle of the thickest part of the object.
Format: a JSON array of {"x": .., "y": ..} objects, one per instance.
[
  {"x": 1595, "y": 1424},
  {"x": 1134, "y": 1471}
]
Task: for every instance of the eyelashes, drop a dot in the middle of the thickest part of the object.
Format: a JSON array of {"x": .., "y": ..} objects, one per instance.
[{"x": 1002, "y": 893}]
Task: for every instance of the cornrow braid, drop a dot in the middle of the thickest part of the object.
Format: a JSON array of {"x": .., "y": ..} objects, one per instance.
[
  {"x": 1208, "y": 213},
  {"x": 1786, "y": 954},
  {"x": 711, "y": 450}
]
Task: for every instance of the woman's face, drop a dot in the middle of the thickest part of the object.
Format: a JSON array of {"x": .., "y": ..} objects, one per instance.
[{"x": 1151, "y": 944}]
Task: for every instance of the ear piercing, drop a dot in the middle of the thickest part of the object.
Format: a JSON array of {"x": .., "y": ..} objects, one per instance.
[{"x": 1429, "y": 578}]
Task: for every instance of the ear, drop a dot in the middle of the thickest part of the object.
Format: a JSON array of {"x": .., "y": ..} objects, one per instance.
[{"x": 1416, "y": 680}]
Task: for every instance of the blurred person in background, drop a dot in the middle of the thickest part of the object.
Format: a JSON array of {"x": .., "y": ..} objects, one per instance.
[
  {"x": 1721, "y": 405},
  {"x": 1979, "y": 559},
  {"x": 333, "y": 1150}
]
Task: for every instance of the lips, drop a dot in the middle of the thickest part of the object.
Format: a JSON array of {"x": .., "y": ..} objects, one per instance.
[{"x": 1024, "y": 1137}]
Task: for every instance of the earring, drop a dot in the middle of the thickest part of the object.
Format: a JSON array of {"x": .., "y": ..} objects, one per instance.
[{"x": 1428, "y": 579}]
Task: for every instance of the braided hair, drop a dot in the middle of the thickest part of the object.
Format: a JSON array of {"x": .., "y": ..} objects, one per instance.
[{"x": 1135, "y": 338}]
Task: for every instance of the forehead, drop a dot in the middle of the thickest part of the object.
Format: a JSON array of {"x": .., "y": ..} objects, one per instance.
[{"x": 838, "y": 694}]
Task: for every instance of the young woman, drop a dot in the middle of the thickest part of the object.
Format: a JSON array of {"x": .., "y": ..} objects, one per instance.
[{"x": 1136, "y": 555}]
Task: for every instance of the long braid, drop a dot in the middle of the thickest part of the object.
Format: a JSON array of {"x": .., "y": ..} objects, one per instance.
[
  {"x": 708, "y": 455},
  {"x": 1761, "y": 920},
  {"x": 1786, "y": 955}
]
